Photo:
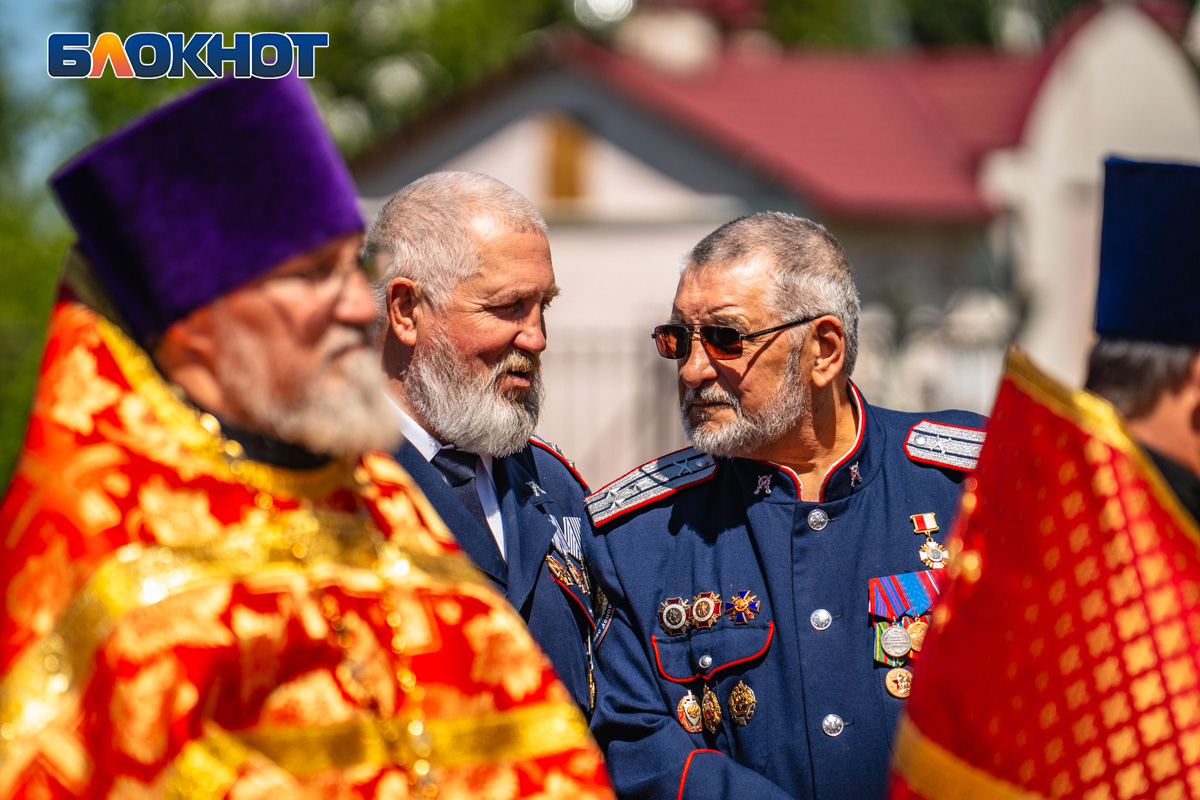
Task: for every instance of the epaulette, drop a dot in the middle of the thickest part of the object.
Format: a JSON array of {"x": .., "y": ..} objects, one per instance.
[
  {"x": 649, "y": 482},
  {"x": 944, "y": 445},
  {"x": 552, "y": 449}
]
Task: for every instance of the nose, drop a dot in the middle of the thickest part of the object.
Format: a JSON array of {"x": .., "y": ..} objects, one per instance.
[
  {"x": 532, "y": 336},
  {"x": 698, "y": 366},
  {"x": 355, "y": 303}
]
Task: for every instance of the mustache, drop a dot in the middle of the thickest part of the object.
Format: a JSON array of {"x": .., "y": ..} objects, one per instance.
[
  {"x": 342, "y": 338},
  {"x": 517, "y": 361},
  {"x": 712, "y": 393}
]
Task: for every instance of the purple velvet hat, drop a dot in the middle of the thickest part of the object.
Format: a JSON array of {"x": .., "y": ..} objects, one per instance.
[{"x": 206, "y": 194}]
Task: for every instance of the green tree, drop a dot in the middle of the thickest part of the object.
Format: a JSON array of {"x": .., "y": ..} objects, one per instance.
[
  {"x": 963, "y": 22},
  {"x": 386, "y": 60}
]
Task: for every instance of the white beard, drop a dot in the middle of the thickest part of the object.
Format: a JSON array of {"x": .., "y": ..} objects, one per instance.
[
  {"x": 747, "y": 434},
  {"x": 467, "y": 408},
  {"x": 341, "y": 411}
]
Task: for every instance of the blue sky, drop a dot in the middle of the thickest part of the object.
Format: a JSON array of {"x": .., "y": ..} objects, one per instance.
[{"x": 26, "y": 25}]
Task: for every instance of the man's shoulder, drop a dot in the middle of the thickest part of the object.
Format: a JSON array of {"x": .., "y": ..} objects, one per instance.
[
  {"x": 635, "y": 491},
  {"x": 950, "y": 439},
  {"x": 552, "y": 463}
]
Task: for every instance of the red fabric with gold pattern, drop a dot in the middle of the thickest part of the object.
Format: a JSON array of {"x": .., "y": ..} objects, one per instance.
[
  {"x": 181, "y": 621},
  {"x": 1064, "y": 657}
]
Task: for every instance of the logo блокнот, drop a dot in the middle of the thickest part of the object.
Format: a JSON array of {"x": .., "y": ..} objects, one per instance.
[{"x": 203, "y": 54}]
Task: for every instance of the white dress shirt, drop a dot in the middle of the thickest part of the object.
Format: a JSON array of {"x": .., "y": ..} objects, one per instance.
[{"x": 485, "y": 485}]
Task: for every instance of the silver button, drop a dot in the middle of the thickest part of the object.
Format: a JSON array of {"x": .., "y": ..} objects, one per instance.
[
  {"x": 705, "y": 662},
  {"x": 832, "y": 725},
  {"x": 817, "y": 519},
  {"x": 820, "y": 619}
]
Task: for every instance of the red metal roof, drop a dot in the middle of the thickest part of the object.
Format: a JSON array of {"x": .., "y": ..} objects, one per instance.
[{"x": 893, "y": 135}]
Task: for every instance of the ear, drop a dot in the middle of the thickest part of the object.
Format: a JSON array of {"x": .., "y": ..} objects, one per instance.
[
  {"x": 829, "y": 338},
  {"x": 191, "y": 340},
  {"x": 186, "y": 355},
  {"x": 403, "y": 310}
]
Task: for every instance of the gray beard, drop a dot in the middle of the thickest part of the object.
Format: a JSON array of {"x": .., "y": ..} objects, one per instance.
[
  {"x": 748, "y": 434},
  {"x": 341, "y": 412},
  {"x": 468, "y": 409}
]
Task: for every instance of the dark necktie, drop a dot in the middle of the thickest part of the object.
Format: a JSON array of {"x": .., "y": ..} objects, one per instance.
[{"x": 459, "y": 468}]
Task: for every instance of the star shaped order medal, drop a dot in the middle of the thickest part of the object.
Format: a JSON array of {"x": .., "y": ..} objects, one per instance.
[{"x": 932, "y": 554}]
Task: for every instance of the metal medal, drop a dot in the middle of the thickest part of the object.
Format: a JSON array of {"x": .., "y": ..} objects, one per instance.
[
  {"x": 742, "y": 703},
  {"x": 742, "y": 607},
  {"x": 673, "y": 616},
  {"x": 933, "y": 555},
  {"x": 711, "y": 709},
  {"x": 895, "y": 641},
  {"x": 689, "y": 714},
  {"x": 898, "y": 682},
  {"x": 706, "y": 609},
  {"x": 916, "y": 631},
  {"x": 559, "y": 571}
]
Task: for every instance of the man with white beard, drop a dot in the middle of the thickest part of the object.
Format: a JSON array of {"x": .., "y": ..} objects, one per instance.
[
  {"x": 214, "y": 584},
  {"x": 466, "y": 280},
  {"x": 769, "y": 587}
]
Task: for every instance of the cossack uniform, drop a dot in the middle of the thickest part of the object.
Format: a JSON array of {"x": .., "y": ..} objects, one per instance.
[
  {"x": 545, "y": 577},
  {"x": 755, "y": 643}
]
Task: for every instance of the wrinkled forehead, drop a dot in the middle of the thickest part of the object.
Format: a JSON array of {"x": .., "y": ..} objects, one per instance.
[{"x": 723, "y": 288}]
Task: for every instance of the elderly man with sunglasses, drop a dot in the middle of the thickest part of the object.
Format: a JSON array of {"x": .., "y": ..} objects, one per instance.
[{"x": 769, "y": 587}]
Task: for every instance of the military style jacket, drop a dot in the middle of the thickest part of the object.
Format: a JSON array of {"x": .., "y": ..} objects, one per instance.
[
  {"x": 545, "y": 578},
  {"x": 754, "y": 641}
]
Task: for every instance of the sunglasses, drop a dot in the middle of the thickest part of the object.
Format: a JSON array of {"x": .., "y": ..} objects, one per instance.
[{"x": 722, "y": 342}]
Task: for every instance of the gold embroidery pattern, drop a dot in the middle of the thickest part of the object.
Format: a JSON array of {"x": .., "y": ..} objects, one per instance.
[
  {"x": 323, "y": 545},
  {"x": 208, "y": 766}
]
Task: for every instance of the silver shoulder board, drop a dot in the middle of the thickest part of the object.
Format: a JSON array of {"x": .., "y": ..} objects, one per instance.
[
  {"x": 649, "y": 482},
  {"x": 944, "y": 445}
]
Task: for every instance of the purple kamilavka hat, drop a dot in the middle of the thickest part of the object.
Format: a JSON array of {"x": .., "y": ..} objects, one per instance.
[{"x": 206, "y": 194}]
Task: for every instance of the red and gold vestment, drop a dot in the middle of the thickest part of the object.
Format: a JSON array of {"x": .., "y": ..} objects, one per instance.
[{"x": 182, "y": 621}]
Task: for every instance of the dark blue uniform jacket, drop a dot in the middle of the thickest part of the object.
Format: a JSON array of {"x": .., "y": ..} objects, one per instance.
[
  {"x": 732, "y": 525},
  {"x": 541, "y": 500}
]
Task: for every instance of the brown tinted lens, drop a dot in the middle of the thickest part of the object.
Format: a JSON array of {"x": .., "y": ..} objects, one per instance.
[
  {"x": 721, "y": 341},
  {"x": 673, "y": 341}
]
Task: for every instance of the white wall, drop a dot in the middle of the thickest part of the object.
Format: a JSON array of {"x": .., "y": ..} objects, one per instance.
[{"x": 1120, "y": 86}]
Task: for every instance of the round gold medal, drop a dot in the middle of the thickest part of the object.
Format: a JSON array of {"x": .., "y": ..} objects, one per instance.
[
  {"x": 898, "y": 682},
  {"x": 917, "y": 631}
]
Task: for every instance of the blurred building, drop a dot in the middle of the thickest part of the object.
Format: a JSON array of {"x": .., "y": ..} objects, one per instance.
[{"x": 964, "y": 185}]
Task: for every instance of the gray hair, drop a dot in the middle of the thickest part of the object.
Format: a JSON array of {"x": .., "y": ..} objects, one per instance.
[
  {"x": 1133, "y": 375},
  {"x": 425, "y": 231},
  {"x": 811, "y": 275}
]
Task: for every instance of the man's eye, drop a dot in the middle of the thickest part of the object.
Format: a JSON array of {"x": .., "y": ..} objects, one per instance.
[{"x": 317, "y": 274}]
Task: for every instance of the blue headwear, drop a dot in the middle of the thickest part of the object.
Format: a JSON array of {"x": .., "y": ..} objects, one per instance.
[{"x": 1150, "y": 253}]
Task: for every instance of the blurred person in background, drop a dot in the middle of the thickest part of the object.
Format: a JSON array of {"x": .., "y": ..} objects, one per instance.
[
  {"x": 214, "y": 582},
  {"x": 1077, "y": 547},
  {"x": 769, "y": 586},
  {"x": 466, "y": 281},
  {"x": 1147, "y": 359}
]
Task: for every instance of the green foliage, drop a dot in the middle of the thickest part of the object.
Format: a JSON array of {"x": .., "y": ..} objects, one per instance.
[
  {"x": 962, "y": 22},
  {"x": 832, "y": 23},
  {"x": 386, "y": 59}
]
